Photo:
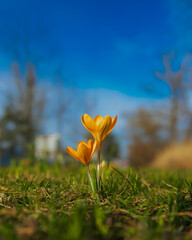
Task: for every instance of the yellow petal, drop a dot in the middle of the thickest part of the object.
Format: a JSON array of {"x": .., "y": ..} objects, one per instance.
[
  {"x": 98, "y": 119},
  {"x": 94, "y": 148},
  {"x": 114, "y": 120},
  {"x": 88, "y": 122},
  {"x": 81, "y": 142},
  {"x": 84, "y": 152},
  {"x": 104, "y": 127},
  {"x": 74, "y": 154},
  {"x": 90, "y": 144}
]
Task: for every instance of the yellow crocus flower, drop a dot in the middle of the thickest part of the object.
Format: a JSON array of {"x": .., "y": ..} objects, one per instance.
[
  {"x": 84, "y": 151},
  {"x": 99, "y": 127},
  {"x": 84, "y": 154}
]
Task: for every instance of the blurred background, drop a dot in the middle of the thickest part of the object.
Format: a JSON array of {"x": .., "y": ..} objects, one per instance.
[{"x": 61, "y": 59}]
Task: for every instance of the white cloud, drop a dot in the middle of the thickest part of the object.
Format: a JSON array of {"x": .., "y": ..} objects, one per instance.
[
  {"x": 111, "y": 102},
  {"x": 91, "y": 101}
]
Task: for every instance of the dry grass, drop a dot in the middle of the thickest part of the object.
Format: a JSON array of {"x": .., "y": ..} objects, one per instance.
[{"x": 178, "y": 155}]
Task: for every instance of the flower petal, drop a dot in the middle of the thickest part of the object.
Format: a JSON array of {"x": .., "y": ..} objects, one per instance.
[
  {"x": 90, "y": 144},
  {"x": 74, "y": 154},
  {"x": 98, "y": 119},
  {"x": 104, "y": 127},
  {"x": 84, "y": 152},
  {"x": 94, "y": 148},
  {"x": 88, "y": 122},
  {"x": 81, "y": 142},
  {"x": 114, "y": 120}
]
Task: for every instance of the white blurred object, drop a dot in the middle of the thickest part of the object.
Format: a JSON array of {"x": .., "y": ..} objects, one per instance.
[{"x": 47, "y": 146}]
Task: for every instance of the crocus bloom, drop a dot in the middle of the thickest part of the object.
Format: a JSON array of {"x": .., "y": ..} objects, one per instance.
[
  {"x": 99, "y": 127},
  {"x": 83, "y": 154},
  {"x": 84, "y": 151}
]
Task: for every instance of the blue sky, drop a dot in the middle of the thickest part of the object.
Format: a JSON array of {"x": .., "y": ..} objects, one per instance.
[
  {"x": 108, "y": 50},
  {"x": 100, "y": 44}
]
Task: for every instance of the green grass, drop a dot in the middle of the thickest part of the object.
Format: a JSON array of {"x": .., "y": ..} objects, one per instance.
[{"x": 53, "y": 202}]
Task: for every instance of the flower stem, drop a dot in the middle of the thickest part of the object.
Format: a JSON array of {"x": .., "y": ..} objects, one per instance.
[
  {"x": 90, "y": 179},
  {"x": 98, "y": 166}
]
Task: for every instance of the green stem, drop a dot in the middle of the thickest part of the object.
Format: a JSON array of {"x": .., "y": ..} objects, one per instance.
[
  {"x": 98, "y": 166},
  {"x": 90, "y": 179}
]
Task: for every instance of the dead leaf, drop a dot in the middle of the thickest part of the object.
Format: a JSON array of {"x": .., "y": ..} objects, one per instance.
[{"x": 28, "y": 228}]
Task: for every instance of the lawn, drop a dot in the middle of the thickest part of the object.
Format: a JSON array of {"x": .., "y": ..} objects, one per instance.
[{"x": 56, "y": 202}]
